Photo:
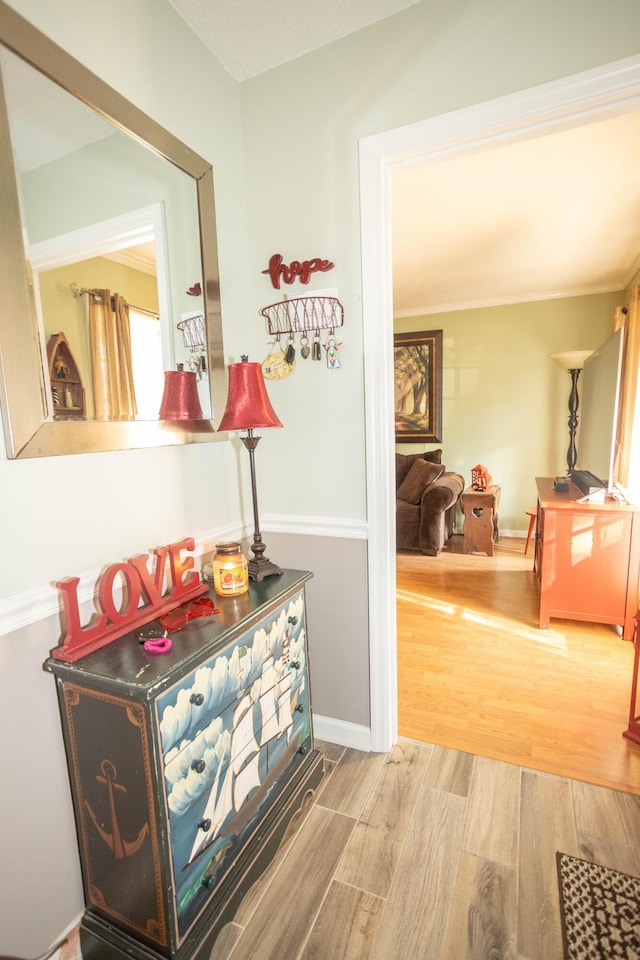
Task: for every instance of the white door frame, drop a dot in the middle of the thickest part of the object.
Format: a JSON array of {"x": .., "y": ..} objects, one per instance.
[{"x": 572, "y": 101}]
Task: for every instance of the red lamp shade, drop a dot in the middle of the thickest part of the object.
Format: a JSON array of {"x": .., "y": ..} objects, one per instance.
[
  {"x": 180, "y": 399},
  {"x": 248, "y": 403}
]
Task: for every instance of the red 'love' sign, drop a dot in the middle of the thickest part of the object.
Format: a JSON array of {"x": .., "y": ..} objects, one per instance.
[
  {"x": 303, "y": 269},
  {"x": 140, "y": 585}
]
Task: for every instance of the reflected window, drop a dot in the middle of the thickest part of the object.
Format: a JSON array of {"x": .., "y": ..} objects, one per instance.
[{"x": 146, "y": 354}]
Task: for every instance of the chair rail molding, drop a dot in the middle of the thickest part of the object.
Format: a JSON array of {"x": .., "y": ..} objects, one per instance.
[{"x": 39, "y": 603}]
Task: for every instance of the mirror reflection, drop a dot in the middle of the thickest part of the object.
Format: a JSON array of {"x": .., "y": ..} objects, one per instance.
[
  {"x": 109, "y": 271},
  {"x": 101, "y": 214}
]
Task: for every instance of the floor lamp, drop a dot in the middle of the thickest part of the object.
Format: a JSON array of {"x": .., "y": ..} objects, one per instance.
[
  {"x": 249, "y": 408},
  {"x": 573, "y": 361}
]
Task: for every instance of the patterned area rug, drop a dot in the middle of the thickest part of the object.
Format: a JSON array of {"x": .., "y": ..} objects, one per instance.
[{"x": 600, "y": 911}]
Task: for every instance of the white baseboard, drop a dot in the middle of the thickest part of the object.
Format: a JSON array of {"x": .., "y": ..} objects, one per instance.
[{"x": 342, "y": 732}]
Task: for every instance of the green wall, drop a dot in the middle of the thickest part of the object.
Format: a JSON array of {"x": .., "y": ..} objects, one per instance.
[{"x": 504, "y": 402}]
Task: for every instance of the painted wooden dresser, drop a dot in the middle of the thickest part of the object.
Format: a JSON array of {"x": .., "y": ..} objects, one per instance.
[{"x": 186, "y": 768}]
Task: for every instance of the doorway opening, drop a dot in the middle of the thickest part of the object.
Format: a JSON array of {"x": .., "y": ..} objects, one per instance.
[{"x": 557, "y": 105}]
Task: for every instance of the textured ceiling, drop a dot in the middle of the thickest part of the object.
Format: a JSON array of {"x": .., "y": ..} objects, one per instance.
[{"x": 251, "y": 36}]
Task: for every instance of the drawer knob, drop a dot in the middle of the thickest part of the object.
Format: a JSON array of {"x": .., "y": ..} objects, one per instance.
[
  {"x": 295, "y": 664},
  {"x": 197, "y": 699},
  {"x": 204, "y": 824},
  {"x": 207, "y": 882},
  {"x": 292, "y": 620},
  {"x": 302, "y": 750},
  {"x": 300, "y": 708},
  {"x": 198, "y": 766}
]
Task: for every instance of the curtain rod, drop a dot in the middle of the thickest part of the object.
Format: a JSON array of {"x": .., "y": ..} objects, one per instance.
[{"x": 78, "y": 291}]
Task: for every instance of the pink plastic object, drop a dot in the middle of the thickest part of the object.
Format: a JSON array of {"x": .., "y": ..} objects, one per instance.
[{"x": 161, "y": 645}]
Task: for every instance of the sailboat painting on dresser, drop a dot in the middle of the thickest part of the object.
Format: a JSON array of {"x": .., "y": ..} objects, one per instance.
[{"x": 230, "y": 731}]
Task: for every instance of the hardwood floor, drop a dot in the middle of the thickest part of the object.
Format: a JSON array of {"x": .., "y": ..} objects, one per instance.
[{"x": 476, "y": 674}]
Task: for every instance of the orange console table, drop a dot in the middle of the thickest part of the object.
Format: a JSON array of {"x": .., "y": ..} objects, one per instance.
[{"x": 587, "y": 558}]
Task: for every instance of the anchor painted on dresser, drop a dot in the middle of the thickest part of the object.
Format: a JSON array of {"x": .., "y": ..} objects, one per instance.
[{"x": 120, "y": 847}]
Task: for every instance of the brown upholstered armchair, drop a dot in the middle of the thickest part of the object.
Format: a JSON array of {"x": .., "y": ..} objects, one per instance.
[{"x": 426, "y": 497}]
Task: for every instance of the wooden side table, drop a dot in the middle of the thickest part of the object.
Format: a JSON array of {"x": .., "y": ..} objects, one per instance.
[{"x": 480, "y": 510}]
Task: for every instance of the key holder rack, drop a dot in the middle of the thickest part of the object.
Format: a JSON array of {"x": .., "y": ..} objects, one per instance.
[
  {"x": 303, "y": 315},
  {"x": 193, "y": 332},
  {"x": 195, "y": 339}
]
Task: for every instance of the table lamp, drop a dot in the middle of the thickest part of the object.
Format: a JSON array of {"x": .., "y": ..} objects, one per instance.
[{"x": 249, "y": 408}]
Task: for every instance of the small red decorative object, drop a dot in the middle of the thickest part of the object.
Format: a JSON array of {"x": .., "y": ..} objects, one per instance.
[
  {"x": 140, "y": 584},
  {"x": 195, "y": 290},
  {"x": 480, "y": 478},
  {"x": 180, "y": 617},
  {"x": 303, "y": 269}
]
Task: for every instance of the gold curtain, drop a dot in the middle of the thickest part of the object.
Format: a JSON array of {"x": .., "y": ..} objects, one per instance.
[
  {"x": 111, "y": 369},
  {"x": 629, "y": 318}
]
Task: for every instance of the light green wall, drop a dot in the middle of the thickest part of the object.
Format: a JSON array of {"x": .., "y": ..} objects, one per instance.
[{"x": 504, "y": 402}]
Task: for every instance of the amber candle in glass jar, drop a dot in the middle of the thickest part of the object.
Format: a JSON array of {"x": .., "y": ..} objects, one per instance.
[{"x": 230, "y": 571}]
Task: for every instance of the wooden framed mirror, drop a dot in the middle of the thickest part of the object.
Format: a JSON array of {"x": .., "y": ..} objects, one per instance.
[{"x": 49, "y": 197}]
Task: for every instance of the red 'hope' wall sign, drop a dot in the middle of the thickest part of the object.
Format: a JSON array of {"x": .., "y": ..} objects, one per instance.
[{"x": 303, "y": 269}]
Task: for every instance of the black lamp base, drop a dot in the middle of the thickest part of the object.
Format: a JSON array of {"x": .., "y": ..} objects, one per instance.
[{"x": 261, "y": 567}]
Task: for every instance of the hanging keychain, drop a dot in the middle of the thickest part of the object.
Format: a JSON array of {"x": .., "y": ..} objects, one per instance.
[
  {"x": 304, "y": 346},
  {"x": 333, "y": 360},
  {"x": 290, "y": 352},
  {"x": 315, "y": 346},
  {"x": 275, "y": 367}
]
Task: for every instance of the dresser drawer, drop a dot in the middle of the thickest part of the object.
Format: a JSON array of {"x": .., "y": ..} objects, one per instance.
[{"x": 230, "y": 732}]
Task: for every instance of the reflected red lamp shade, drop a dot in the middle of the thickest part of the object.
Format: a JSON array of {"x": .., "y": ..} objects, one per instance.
[
  {"x": 180, "y": 399},
  {"x": 248, "y": 404}
]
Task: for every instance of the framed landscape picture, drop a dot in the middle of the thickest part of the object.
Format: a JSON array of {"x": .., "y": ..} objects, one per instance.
[{"x": 418, "y": 386}]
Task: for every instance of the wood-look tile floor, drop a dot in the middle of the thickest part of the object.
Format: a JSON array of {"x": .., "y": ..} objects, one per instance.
[
  {"x": 428, "y": 853},
  {"x": 477, "y": 674}
]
